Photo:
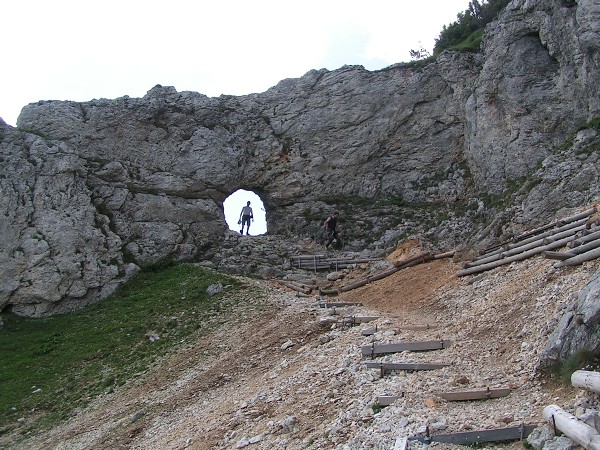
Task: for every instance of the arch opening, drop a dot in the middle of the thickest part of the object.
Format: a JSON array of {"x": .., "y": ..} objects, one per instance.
[{"x": 232, "y": 207}]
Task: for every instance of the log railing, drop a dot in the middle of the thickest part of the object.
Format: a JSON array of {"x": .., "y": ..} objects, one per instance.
[{"x": 544, "y": 240}]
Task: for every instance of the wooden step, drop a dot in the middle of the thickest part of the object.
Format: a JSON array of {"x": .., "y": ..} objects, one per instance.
[
  {"x": 418, "y": 327},
  {"x": 479, "y": 437},
  {"x": 382, "y": 349},
  {"x": 474, "y": 394},
  {"x": 337, "y": 304},
  {"x": 386, "y": 367},
  {"x": 356, "y": 320}
]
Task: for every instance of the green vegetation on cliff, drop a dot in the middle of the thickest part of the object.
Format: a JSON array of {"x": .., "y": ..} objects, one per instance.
[{"x": 465, "y": 34}]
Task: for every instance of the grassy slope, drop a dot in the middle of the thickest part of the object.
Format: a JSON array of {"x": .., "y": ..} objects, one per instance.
[{"x": 49, "y": 367}]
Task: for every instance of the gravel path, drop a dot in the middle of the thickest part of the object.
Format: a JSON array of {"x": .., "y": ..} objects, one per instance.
[{"x": 282, "y": 373}]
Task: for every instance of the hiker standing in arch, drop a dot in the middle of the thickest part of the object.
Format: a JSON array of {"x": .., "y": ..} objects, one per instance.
[
  {"x": 245, "y": 217},
  {"x": 331, "y": 233}
]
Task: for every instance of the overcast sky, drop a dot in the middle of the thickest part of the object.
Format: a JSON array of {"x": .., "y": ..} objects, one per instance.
[{"x": 80, "y": 50}]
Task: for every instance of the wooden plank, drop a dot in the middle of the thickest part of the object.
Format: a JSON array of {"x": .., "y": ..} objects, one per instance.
[
  {"x": 474, "y": 394},
  {"x": 382, "y": 349},
  {"x": 337, "y": 304},
  {"x": 418, "y": 327},
  {"x": 479, "y": 437},
  {"x": 354, "y": 320},
  {"x": 387, "y": 400},
  {"x": 404, "y": 366}
]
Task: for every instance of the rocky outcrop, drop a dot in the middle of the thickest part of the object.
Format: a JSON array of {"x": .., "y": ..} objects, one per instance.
[
  {"x": 538, "y": 84},
  {"x": 91, "y": 191},
  {"x": 577, "y": 332}
]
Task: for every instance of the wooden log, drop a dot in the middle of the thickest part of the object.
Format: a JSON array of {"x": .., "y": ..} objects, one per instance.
[
  {"x": 478, "y": 262},
  {"x": 531, "y": 233},
  {"x": 585, "y": 239},
  {"x": 574, "y": 429},
  {"x": 561, "y": 256},
  {"x": 567, "y": 227},
  {"x": 329, "y": 292},
  {"x": 585, "y": 247},
  {"x": 579, "y": 259},
  {"x": 546, "y": 240},
  {"x": 382, "y": 275},
  {"x": 584, "y": 214},
  {"x": 586, "y": 379},
  {"x": 498, "y": 248},
  {"x": 418, "y": 259},
  {"x": 537, "y": 233},
  {"x": 449, "y": 254},
  {"x": 423, "y": 257},
  {"x": 351, "y": 286},
  {"x": 557, "y": 255},
  {"x": 474, "y": 394},
  {"x": 519, "y": 257},
  {"x": 383, "y": 349},
  {"x": 521, "y": 248},
  {"x": 318, "y": 262},
  {"x": 296, "y": 287}
]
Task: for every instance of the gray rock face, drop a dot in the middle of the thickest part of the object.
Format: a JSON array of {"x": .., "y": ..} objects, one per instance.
[
  {"x": 91, "y": 191},
  {"x": 55, "y": 245},
  {"x": 538, "y": 82},
  {"x": 578, "y": 328}
]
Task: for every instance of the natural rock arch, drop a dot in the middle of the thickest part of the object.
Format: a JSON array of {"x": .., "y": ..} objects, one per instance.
[{"x": 233, "y": 204}]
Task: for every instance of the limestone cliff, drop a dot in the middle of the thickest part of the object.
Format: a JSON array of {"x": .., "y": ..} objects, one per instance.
[{"x": 91, "y": 191}]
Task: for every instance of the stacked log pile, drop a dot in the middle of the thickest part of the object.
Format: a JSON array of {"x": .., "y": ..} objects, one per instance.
[{"x": 577, "y": 232}]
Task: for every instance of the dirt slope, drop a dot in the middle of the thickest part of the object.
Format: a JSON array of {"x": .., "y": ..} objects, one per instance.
[{"x": 282, "y": 374}]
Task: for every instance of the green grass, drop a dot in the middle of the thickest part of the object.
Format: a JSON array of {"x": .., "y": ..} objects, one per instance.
[
  {"x": 74, "y": 357},
  {"x": 471, "y": 44},
  {"x": 581, "y": 359}
]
